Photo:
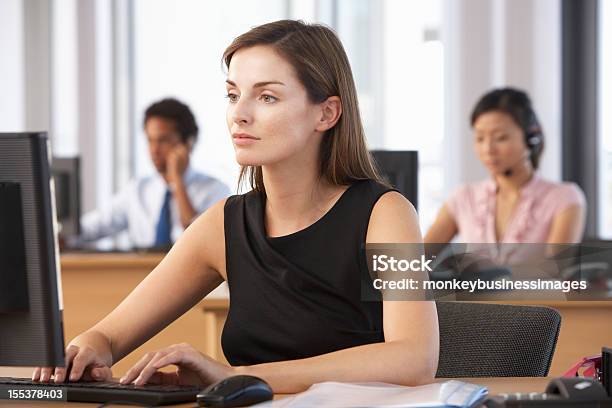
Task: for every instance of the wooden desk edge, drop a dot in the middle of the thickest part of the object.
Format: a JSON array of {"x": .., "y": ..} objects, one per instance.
[{"x": 84, "y": 261}]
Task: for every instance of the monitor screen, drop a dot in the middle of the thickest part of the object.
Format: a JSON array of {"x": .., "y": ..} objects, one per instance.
[
  {"x": 66, "y": 173},
  {"x": 31, "y": 325},
  {"x": 401, "y": 169}
]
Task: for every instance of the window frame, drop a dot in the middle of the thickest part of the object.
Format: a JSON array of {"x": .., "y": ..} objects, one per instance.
[{"x": 579, "y": 113}]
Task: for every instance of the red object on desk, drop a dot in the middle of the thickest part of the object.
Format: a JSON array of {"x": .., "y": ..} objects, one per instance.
[{"x": 591, "y": 366}]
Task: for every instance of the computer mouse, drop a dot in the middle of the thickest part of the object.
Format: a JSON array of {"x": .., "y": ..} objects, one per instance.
[
  {"x": 236, "y": 391},
  {"x": 577, "y": 389}
]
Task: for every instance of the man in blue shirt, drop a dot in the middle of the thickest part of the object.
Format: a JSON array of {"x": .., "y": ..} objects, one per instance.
[{"x": 155, "y": 210}]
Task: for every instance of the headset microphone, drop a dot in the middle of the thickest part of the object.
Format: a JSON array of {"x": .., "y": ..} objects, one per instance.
[
  {"x": 534, "y": 140},
  {"x": 508, "y": 172}
]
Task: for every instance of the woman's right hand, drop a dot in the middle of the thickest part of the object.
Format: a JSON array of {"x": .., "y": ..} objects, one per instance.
[{"x": 83, "y": 362}]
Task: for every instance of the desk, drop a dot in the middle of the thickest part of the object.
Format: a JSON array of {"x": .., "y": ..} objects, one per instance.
[
  {"x": 94, "y": 284},
  {"x": 495, "y": 386}
]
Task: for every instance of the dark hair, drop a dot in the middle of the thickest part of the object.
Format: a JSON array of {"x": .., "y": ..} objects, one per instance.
[
  {"x": 172, "y": 109},
  {"x": 321, "y": 64},
  {"x": 517, "y": 104}
]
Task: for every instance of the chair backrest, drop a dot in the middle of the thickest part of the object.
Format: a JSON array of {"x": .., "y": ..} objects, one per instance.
[{"x": 493, "y": 340}]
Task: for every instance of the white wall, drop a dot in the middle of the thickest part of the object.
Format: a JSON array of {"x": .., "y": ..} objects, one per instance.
[
  {"x": 74, "y": 112},
  {"x": 37, "y": 44},
  {"x": 12, "y": 114},
  {"x": 64, "y": 69},
  {"x": 82, "y": 94},
  {"x": 24, "y": 71},
  {"x": 492, "y": 43}
]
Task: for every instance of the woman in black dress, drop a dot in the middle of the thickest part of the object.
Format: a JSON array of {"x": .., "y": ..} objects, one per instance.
[{"x": 291, "y": 249}]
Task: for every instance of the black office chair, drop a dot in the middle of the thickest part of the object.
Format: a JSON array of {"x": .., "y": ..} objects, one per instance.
[{"x": 492, "y": 340}]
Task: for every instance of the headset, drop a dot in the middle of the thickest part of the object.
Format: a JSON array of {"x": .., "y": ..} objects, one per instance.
[
  {"x": 533, "y": 135},
  {"x": 533, "y": 139}
]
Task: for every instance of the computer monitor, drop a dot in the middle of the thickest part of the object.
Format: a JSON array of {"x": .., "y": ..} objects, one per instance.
[
  {"x": 401, "y": 169},
  {"x": 31, "y": 331},
  {"x": 66, "y": 172}
]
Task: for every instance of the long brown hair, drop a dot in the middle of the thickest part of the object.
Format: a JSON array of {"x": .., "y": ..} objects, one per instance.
[{"x": 317, "y": 55}]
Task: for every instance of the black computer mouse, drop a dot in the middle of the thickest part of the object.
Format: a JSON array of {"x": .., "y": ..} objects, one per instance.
[
  {"x": 577, "y": 389},
  {"x": 236, "y": 391}
]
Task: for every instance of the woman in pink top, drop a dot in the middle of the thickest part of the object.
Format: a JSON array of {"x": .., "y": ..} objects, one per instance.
[{"x": 514, "y": 205}]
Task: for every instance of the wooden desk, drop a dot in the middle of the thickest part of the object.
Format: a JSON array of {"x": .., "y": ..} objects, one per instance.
[
  {"x": 585, "y": 328},
  {"x": 94, "y": 284}
]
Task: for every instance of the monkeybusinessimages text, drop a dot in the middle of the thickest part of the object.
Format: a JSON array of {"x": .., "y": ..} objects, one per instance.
[{"x": 384, "y": 264}]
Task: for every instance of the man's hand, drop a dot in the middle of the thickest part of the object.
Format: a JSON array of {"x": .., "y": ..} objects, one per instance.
[{"x": 176, "y": 164}]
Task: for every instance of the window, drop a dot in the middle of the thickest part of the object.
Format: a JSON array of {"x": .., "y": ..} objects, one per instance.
[
  {"x": 397, "y": 59},
  {"x": 394, "y": 49},
  {"x": 414, "y": 94},
  {"x": 177, "y": 52},
  {"x": 358, "y": 24},
  {"x": 64, "y": 80}
]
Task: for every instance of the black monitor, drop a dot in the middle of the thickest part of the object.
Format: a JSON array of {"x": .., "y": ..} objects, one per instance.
[
  {"x": 401, "y": 169},
  {"x": 66, "y": 172},
  {"x": 30, "y": 289}
]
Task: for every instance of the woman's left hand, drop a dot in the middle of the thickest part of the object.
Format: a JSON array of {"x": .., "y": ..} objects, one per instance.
[{"x": 194, "y": 368}]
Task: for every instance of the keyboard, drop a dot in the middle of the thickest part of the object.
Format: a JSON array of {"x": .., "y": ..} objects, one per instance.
[
  {"x": 149, "y": 394},
  {"x": 541, "y": 400}
]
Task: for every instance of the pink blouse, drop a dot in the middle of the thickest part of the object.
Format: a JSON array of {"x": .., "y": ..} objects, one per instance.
[{"x": 473, "y": 207}]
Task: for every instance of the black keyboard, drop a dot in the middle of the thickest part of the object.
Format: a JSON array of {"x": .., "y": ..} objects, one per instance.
[
  {"x": 541, "y": 400},
  {"x": 149, "y": 394}
]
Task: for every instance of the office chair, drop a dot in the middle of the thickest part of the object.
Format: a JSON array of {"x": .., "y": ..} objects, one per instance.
[{"x": 493, "y": 340}]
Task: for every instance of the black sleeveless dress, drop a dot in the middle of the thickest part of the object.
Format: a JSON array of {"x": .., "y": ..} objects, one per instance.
[{"x": 299, "y": 295}]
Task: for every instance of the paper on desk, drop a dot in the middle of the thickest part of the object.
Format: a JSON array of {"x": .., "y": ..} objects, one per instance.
[{"x": 340, "y": 395}]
